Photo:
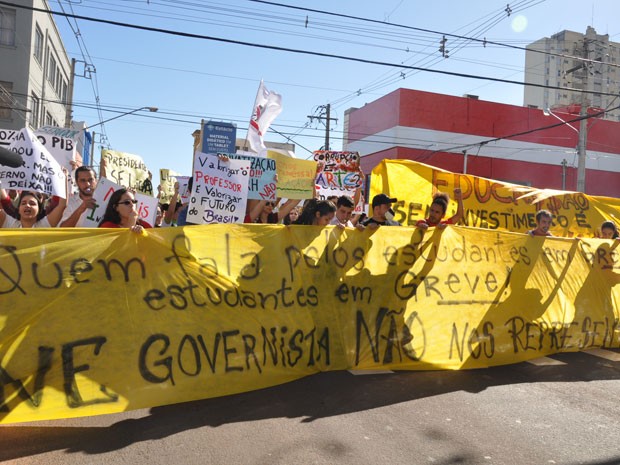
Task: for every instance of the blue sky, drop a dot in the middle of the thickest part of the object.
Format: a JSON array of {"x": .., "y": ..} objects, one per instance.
[{"x": 191, "y": 79}]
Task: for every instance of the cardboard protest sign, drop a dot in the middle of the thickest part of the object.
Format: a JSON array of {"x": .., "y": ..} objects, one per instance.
[
  {"x": 220, "y": 188},
  {"x": 295, "y": 177},
  {"x": 147, "y": 205},
  {"x": 338, "y": 174},
  {"x": 167, "y": 179},
  {"x": 127, "y": 170},
  {"x": 39, "y": 171},
  {"x": 62, "y": 148},
  {"x": 262, "y": 183}
]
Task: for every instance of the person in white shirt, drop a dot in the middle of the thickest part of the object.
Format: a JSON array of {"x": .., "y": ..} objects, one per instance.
[
  {"x": 31, "y": 213},
  {"x": 344, "y": 211},
  {"x": 79, "y": 203}
]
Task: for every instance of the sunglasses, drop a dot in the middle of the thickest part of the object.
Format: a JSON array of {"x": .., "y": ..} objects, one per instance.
[{"x": 128, "y": 202}]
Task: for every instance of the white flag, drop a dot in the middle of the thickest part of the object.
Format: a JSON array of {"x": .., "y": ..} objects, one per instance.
[{"x": 267, "y": 107}]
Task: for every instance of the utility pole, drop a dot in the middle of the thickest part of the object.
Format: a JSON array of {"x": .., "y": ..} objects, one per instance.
[
  {"x": 583, "y": 124},
  {"x": 324, "y": 116},
  {"x": 564, "y": 164},
  {"x": 69, "y": 102}
]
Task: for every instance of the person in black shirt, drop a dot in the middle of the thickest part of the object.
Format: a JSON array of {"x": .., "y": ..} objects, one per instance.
[{"x": 382, "y": 213}]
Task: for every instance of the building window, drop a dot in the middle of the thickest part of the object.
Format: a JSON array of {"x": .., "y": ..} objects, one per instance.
[
  {"x": 6, "y": 99},
  {"x": 38, "y": 44},
  {"x": 7, "y": 26},
  {"x": 34, "y": 111},
  {"x": 51, "y": 71},
  {"x": 48, "y": 119}
]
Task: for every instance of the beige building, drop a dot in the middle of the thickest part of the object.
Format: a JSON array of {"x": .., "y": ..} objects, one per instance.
[
  {"x": 35, "y": 72},
  {"x": 563, "y": 65}
]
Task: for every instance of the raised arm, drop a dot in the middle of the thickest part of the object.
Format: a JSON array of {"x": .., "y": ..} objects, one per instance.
[
  {"x": 172, "y": 206},
  {"x": 55, "y": 215},
  {"x": 287, "y": 207},
  {"x": 460, "y": 210}
]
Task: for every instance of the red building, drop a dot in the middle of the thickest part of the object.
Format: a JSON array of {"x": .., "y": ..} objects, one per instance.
[{"x": 455, "y": 133}]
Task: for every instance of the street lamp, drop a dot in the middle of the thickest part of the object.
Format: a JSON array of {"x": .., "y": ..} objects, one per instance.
[
  {"x": 92, "y": 146},
  {"x": 582, "y": 132},
  {"x": 151, "y": 109}
]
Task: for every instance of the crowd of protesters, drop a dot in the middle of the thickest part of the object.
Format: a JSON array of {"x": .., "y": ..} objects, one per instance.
[{"x": 27, "y": 209}]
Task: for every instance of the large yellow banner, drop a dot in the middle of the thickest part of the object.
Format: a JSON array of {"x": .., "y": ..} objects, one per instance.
[
  {"x": 98, "y": 321},
  {"x": 488, "y": 203}
]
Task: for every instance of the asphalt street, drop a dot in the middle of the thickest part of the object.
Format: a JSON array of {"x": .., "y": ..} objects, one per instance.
[{"x": 564, "y": 409}]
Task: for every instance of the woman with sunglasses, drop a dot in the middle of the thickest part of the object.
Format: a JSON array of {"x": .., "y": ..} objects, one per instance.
[
  {"x": 262, "y": 211},
  {"x": 121, "y": 212}
]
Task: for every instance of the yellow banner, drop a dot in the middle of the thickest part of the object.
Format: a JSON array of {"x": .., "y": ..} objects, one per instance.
[
  {"x": 488, "y": 203},
  {"x": 128, "y": 170},
  {"x": 99, "y": 321}
]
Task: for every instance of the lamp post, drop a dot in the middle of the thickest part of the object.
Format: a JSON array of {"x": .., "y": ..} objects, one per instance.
[
  {"x": 92, "y": 146},
  {"x": 151, "y": 109}
]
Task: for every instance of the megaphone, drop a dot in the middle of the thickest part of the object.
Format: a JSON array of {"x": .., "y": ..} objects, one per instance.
[{"x": 10, "y": 158}]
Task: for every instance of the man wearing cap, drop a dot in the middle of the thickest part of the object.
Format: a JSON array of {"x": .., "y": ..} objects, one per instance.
[{"x": 382, "y": 213}]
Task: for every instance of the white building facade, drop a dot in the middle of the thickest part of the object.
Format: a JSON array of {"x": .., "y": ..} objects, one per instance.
[
  {"x": 587, "y": 61},
  {"x": 36, "y": 73}
]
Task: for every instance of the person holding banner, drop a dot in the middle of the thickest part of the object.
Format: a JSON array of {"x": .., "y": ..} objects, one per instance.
[
  {"x": 344, "y": 211},
  {"x": 121, "y": 212},
  {"x": 438, "y": 208},
  {"x": 609, "y": 230},
  {"x": 317, "y": 213},
  {"x": 80, "y": 202},
  {"x": 543, "y": 223},
  {"x": 381, "y": 208},
  {"x": 263, "y": 212},
  {"x": 31, "y": 213}
]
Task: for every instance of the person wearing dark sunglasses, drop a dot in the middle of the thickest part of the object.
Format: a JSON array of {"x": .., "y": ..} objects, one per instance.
[{"x": 121, "y": 212}]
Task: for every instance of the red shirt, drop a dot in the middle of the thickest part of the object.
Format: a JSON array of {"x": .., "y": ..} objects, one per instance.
[{"x": 109, "y": 224}]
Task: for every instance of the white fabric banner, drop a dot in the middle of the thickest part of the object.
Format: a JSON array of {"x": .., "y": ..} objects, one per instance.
[{"x": 39, "y": 170}]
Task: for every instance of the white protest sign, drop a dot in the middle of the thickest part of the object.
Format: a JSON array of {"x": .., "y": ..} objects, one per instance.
[
  {"x": 184, "y": 188},
  {"x": 125, "y": 169},
  {"x": 39, "y": 171},
  {"x": 147, "y": 205},
  {"x": 220, "y": 190},
  {"x": 62, "y": 148}
]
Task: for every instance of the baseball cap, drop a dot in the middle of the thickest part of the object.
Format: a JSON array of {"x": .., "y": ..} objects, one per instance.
[{"x": 382, "y": 199}]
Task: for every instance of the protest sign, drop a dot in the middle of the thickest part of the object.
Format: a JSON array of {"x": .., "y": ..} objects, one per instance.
[
  {"x": 189, "y": 313},
  {"x": 61, "y": 147},
  {"x": 147, "y": 205},
  {"x": 262, "y": 182},
  {"x": 127, "y": 170},
  {"x": 38, "y": 172},
  {"x": 489, "y": 203},
  {"x": 167, "y": 179},
  {"x": 295, "y": 177},
  {"x": 220, "y": 188}
]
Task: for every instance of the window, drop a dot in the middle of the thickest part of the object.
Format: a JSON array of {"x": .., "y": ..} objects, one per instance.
[
  {"x": 38, "y": 44},
  {"x": 7, "y": 26},
  {"x": 48, "y": 119},
  {"x": 34, "y": 111},
  {"x": 51, "y": 71},
  {"x": 6, "y": 99}
]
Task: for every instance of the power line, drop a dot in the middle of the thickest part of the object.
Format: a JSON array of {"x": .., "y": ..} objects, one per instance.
[{"x": 299, "y": 51}]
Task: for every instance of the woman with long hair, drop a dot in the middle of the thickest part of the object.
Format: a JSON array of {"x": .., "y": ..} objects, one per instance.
[
  {"x": 31, "y": 213},
  {"x": 121, "y": 212},
  {"x": 317, "y": 213}
]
